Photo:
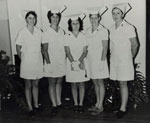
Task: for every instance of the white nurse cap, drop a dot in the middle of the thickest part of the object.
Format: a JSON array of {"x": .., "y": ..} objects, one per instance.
[
  {"x": 55, "y": 11},
  {"x": 76, "y": 16},
  {"x": 97, "y": 10},
  {"x": 124, "y": 7}
]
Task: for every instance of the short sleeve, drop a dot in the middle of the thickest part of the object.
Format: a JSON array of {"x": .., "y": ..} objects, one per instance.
[
  {"x": 131, "y": 32},
  {"x": 45, "y": 37},
  {"x": 104, "y": 34},
  {"x": 19, "y": 39}
]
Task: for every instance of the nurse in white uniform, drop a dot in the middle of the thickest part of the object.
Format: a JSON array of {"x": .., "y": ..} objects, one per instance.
[
  {"x": 123, "y": 47},
  {"x": 97, "y": 37},
  {"x": 77, "y": 69},
  {"x": 28, "y": 46},
  {"x": 54, "y": 54}
]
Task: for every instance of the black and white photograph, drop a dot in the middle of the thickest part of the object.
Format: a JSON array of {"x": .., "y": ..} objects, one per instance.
[{"x": 79, "y": 61}]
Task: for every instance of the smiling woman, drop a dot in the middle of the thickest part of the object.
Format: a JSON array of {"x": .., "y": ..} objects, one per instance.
[
  {"x": 54, "y": 57},
  {"x": 31, "y": 19},
  {"x": 28, "y": 46}
]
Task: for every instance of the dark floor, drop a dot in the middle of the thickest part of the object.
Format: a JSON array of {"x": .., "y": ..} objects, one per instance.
[
  {"x": 14, "y": 115},
  {"x": 10, "y": 113}
]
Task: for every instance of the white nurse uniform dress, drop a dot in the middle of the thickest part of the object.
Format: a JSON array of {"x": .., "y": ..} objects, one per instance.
[
  {"x": 98, "y": 68},
  {"x": 31, "y": 57},
  {"x": 76, "y": 45},
  {"x": 121, "y": 61},
  {"x": 56, "y": 52}
]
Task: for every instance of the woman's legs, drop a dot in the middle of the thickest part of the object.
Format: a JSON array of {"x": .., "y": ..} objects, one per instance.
[
  {"x": 124, "y": 95},
  {"x": 59, "y": 90},
  {"x": 81, "y": 93},
  {"x": 74, "y": 90},
  {"x": 95, "y": 81},
  {"x": 52, "y": 90},
  {"x": 35, "y": 92},
  {"x": 101, "y": 89},
  {"x": 100, "y": 96},
  {"x": 28, "y": 94}
]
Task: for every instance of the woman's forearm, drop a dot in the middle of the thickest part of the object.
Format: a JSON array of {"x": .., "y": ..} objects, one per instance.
[
  {"x": 104, "y": 54},
  {"x": 68, "y": 54},
  {"x": 84, "y": 54},
  {"x": 134, "y": 50},
  {"x": 45, "y": 52},
  {"x": 18, "y": 49},
  {"x": 105, "y": 49},
  {"x": 70, "y": 57},
  {"x": 46, "y": 57},
  {"x": 134, "y": 46}
]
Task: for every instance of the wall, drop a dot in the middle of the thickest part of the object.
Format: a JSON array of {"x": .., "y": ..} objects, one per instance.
[
  {"x": 5, "y": 37},
  {"x": 4, "y": 28}
]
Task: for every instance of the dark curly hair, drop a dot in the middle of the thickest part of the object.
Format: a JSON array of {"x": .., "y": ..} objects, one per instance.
[
  {"x": 80, "y": 22},
  {"x": 32, "y": 13},
  {"x": 49, "y": 14},
  {"x": 99, "y": 16}
]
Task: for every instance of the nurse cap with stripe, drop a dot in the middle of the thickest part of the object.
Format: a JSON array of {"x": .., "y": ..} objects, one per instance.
[
  {"x": 96, "y": 10},
  {"x": 76, "y": 16},
  {"x": 56, "y": 11},
  {"x": 124, "y": 7}
]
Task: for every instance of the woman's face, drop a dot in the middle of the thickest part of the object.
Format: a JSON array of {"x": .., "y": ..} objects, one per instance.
[
  {"x": 117, "y": 15},
  {"x": 94, "y": 19},
  {"x": 54, "y": 19},
  {"x": 31, "y": 20},
  {"x": 75, "y": 25}
]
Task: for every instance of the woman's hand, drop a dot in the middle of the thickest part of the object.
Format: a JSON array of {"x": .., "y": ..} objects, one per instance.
[
  {"x": 75, "y": 66},
  {"x": 82, "y": 65}
]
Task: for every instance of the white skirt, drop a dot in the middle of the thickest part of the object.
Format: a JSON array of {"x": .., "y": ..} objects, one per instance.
[{"x": 31, "y": 66}]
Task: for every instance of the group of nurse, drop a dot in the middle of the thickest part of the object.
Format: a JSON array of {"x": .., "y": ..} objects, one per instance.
[{"x": 78, "y": 56}]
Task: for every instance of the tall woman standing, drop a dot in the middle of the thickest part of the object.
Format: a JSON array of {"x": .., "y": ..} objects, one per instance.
[
  {"x": 124, "y": 47},
  {"x": 97, "y": 37},
  {"x": 28, "y": 46},
  {"x": 54, "y": 55},
  {"x": 77, "y": 69}
]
